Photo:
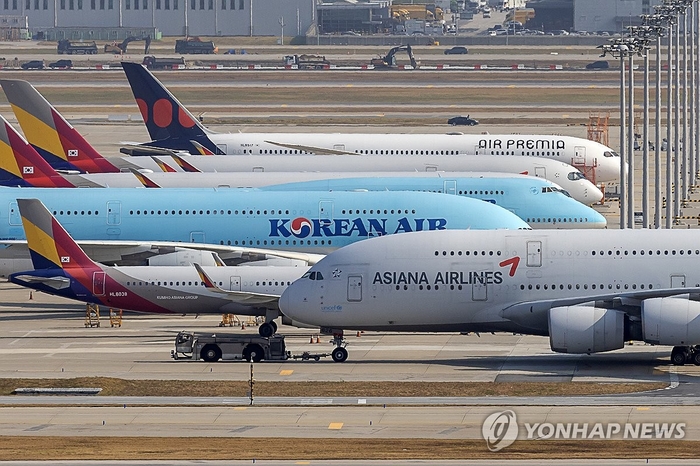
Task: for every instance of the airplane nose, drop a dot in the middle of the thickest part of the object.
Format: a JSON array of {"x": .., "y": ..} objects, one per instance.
[{"x": 284, "y": 301}]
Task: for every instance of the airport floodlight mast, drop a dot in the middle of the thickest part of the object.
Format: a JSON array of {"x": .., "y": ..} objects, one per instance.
[{"x": 681, "y": 174}]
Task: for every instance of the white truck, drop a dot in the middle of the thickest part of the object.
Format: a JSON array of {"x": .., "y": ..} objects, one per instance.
[{"x": 211, "y": 347}]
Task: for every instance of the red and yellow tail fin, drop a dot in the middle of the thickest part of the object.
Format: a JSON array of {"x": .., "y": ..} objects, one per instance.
[{"x": 50, "y": 245}]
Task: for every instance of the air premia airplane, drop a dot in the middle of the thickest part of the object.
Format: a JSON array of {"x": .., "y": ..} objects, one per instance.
[
  {"x": 588, "y": 294},
  {"x": 172, "y": 126},
  {"x": 62, "y": 268}
]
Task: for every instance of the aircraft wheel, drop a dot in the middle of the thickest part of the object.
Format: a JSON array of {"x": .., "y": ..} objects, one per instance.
[
  {"x": 339, "y": 354},
  {"x": 254, "y": 353},
  {"x": 696, "y": 358},
  {"x": 274, "y": 325},
  {"x": 211, "y": 353},
  {"x": 678, "y": 356},
  {"x": 266, "y": 330}
]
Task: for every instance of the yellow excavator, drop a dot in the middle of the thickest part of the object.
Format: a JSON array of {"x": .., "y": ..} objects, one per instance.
[{"x": 120, "y": 49}]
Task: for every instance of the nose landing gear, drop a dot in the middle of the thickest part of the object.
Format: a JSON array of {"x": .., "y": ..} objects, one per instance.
[
  {"x": 681, "y": 355},
  {"x": 339, "y": 354}
]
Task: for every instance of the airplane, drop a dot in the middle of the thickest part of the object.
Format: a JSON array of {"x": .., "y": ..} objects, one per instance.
[
  {"x": 55, "y": 139},
  {"x": 540, "y": 203},
  {"x": 63, "y": 143},
  {"x": 62, "y": 268},
  {"x": 589, "y": 294},
  {"x": 120, "y": 224},
  {"x": 172, "y": 126}
]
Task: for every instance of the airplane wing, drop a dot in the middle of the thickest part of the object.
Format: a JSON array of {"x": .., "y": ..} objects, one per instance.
[
  {"x": 239, "y": 297},
  {"x": 57, "y": 283},
  {"x": 312, "y": 149},
  {"x": 135, "y": 252},
  {"x": 134, "y": 148}
]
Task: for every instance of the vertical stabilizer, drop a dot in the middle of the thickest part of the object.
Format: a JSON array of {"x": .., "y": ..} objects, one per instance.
[
  {"x": 50, "y": 134},
  {"x": 21, "y": 165},
  {"x": 169, "y": 123},
  {"x": 50, "y": 245}
]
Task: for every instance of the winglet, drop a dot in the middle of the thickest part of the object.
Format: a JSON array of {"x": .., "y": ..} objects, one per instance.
[
  {"x": 201, "y": 149},
  {"x": 186, "y": 166},
  {"x": 163, "y": 166},
  {"x": 143, "y": 179},
  {"x": 208, "y": 282},
  {"x": 21, "y": 165},
  {"x": 50, "y": 134},
  {"x": 50, "y": 245}
]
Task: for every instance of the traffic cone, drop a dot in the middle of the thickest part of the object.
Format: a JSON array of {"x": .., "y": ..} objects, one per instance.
[
  {"x": 242, "y": 325},
  {"x": 311, "y": 339},
  {"x": 358, "y": 335},
  {"x": 318, "y": 340},
  {"x": 31, "y": 295}
]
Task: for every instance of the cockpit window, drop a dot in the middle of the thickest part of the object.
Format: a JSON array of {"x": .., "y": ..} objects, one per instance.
[
  {"x": 313, "y": 276},
  {"x": 306, "y": 275},
  {"x": 319, "y": 276},
  {"x": 609, "y": 153},
  {"x": 575, "y": 176}
]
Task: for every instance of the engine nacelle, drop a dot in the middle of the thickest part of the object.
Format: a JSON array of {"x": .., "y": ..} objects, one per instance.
[
  {"x": 673, "y": 321},
  {"x": 585, "y": 329}
]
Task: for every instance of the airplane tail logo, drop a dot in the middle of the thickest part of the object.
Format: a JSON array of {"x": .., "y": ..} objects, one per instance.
[
  {"x": 50, "y": 245},
  {"x": 169, "y": 123},
  {"x": 50, "y": 134},
  {"x": 21, "y": 165}
]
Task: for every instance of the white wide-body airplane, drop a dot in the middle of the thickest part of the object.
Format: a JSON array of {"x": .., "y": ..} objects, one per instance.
[
  {"x": 589, "y": 294},
  {"x": 172, "y": 126}
]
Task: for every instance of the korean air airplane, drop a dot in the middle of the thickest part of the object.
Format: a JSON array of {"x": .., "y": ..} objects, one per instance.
[
  {"x": 235, "y": 221},
  {"x": 172, "y": 126},
  {"x": 68, "y": 152},
  {"x": 588, "y": 294},
  {"x": 62, "y": 268}
]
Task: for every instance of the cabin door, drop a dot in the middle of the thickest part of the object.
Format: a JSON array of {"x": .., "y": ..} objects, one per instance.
[
  {"x": 325, "y": 212},
  {"x": 540, "y": 172},
  {"x": 677, "y": 281},
  {"x": 534, "y": 253},
  {"x": 450, "y": 187},
  {"x": 14, "y": 217},
  {"x": 579, "y": 156},
  {"x": 98, "y": 283},
  {"x": 235, "y": 284},
  {"x": 114, "y": 212},
  {"x": 355, "y": 288}
]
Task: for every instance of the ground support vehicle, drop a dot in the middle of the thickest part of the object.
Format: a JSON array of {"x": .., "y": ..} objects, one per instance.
[
  {"x": 211, "y": 347},
  {"x": 194, "y": 45},
  {"x": 307, "y": 62},
  {"x": 153, "y": 63},
  {"x": 76, "y": 48}
]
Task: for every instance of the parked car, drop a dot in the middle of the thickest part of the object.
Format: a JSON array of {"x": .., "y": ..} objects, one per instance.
[
  {"x": 65, "y": 64},
  {"x": 598, "y": 65},
  {"x": 33, "y": 65},
  {"x": 462, "y": 121},
  {"x": 457, "y": 50}
]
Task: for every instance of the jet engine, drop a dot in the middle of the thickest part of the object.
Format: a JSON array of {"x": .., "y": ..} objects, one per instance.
[
  {"x": 585, "y": 329},
  {"x": 674, "y": 320}
]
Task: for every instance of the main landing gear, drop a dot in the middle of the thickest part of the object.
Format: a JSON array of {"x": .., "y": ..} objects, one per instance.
[
  {"x": 685, "y": 354},
  {"x": 268, "y": 329},
  {"x": 339, "y": 354}
]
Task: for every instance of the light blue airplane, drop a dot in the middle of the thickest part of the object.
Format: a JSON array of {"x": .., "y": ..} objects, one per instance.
[
  {"x": 237, "y": 221},
  {"x": 539, "y": 202}
]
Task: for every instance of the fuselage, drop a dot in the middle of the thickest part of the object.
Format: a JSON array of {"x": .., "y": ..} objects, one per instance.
[
  {"x": 564, "y": 175},
  {"x": 166, "y": 289},
  {"x": 602, "y": 160},
  {"x": 308, "y": 221},
  {"x": 489, "y": 281}
]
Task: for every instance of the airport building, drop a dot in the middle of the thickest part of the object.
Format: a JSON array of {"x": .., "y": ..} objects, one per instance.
[{"x": 610, "y": 15}]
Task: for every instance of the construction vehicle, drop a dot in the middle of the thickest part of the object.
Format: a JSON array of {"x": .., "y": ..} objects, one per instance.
[
  {"x": 194, "y": 45},
  {"x": 120, "y": 48},
  {"x": 76, "y": 48},
  {"x": 521, "y": 15},
  {"x": 307, "y": 62},
  {"x": 211, "y": 347},
  {"x": 153, "y": 63},
  {"x": 389, "y": 60}
]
